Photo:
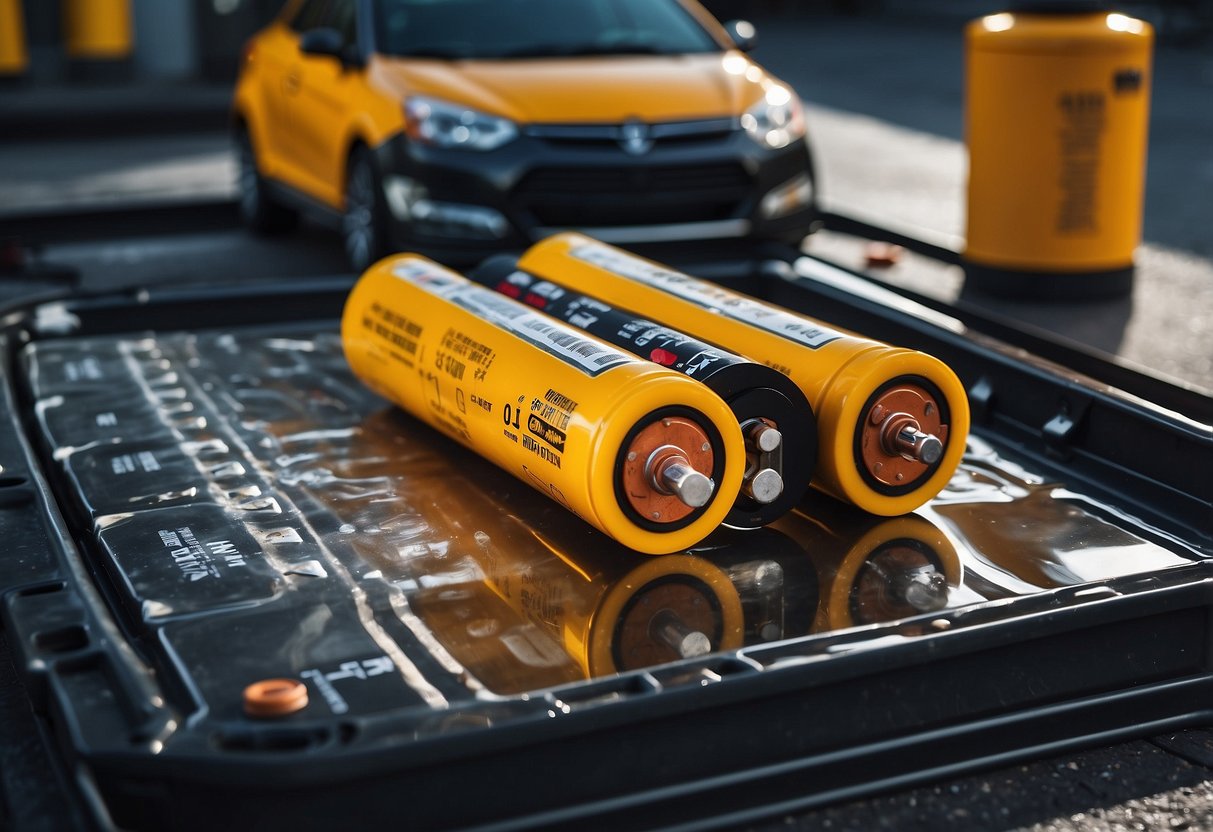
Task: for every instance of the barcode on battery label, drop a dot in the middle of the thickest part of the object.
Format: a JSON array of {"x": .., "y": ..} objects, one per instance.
[
  {"x": 587, "y": 355},
  {"x": 591, "y": 355},
  {"x": 709, "y": 297},
  {"x": 429, "y": 276}
]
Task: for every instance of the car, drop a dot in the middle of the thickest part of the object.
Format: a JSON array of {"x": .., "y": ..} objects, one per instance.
[{"x": 459, "y": 128}]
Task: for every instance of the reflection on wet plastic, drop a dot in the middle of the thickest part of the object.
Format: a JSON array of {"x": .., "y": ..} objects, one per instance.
[
  {"x": 241, "y": 483},
  {"x": 875, "y": 569}
]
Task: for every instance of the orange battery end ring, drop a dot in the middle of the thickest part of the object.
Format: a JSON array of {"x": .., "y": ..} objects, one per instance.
[
  {"x": 275, "y": 697},
  {"x": 663, "y": 443},
  {"x": 903, "y": 435}
]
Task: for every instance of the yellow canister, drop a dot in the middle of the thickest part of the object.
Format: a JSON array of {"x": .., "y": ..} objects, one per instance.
[
  {"x": 643, "y": 453},
  {"x": 891, "y": 422},
  {"x": 1056, "y": 121},
  {"x": 14, "y": 57},
  {"x": 98, "y": 30}
]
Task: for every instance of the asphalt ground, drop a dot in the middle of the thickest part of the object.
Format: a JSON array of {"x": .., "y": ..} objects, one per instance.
[{"x": 884, "y": 98}]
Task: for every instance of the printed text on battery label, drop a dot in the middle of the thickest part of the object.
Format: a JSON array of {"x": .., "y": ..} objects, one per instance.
[
  {"x": 590, "y": 357},
  {"x": 718, "y": 300},
  {"x": 394, "y": 328},
  {"x": 553, "y": 338}
]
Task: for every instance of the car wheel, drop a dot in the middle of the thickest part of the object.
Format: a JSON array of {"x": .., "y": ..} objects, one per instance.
[
  {"x": 364, "y": 223},
  {"x": 259, "y": 211}
]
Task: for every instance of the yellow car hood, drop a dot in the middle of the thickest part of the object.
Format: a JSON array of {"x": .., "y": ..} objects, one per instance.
[{"x": 590, "y": 89}]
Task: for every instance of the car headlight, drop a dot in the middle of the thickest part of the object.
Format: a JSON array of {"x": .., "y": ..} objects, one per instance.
[
  {"x": 776, "y": 120},
  {"x": 443, "y": 124}
]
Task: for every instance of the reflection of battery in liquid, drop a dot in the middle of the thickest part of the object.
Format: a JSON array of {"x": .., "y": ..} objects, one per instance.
[
  {"x": 641, "y": 452},
  {"x": 891, "y": 422},
  {"x": 871, "y": 569},
  {"x": 608, "y": 608},
  {"x": 776, "y": 421},
  {"x": 613, "y": 611},
  {"x": 775, "y": 579}
]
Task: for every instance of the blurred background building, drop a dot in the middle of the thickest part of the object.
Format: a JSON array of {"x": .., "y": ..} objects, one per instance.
[{"x": 166, "y": 40}]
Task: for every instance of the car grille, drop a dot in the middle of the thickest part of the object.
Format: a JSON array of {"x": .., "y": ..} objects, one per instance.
[
  {"x": 611, "y": 135},
  {"x": 634, "y": 195}
]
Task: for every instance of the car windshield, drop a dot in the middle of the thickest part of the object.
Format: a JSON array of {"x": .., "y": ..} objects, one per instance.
[{"x": 466, "y": 29}]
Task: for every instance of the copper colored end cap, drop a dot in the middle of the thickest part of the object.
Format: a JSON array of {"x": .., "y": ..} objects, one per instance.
[
  {"x": 275, "y": 697},
  {"x": 667, "y": 470},
  {"x": 902, "y": 435}
]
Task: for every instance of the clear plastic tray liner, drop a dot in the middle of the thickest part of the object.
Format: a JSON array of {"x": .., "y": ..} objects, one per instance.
[{"x": 245, "y": 489}]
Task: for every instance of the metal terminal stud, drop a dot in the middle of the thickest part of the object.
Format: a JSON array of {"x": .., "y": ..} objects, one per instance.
[
  {"x": 926, "y": 590},
  {"x": 765, "y": 438},
  {"x": 764, "y": 487},
  {"x": 676, "y": 476},
  {"x": 763, "y": 481},
  {"x": 912, "y": 442},
  {"x": 667, "y": 628}
]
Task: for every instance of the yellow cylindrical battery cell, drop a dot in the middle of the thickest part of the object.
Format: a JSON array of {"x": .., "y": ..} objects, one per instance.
[
  {"x": 873, "y": 570},
  {"x": 641, "y": 452},
  {"x": 588, "y": 605},
  {"x": 14, "y": 56},
  {"x": 1056, "y": 120},
  {"x": 98, "y": 29},
  {"x": 891, "y": 422}
]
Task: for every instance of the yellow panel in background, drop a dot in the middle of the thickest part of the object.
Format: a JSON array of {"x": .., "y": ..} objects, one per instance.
[
  {"x": 13, "y": 55},
  {"x": 98, "y": 29},
  {"x": 1057, "y": 111}
]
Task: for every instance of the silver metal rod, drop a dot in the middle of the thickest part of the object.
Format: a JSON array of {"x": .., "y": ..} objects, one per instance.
[
  {"x": 688, "y": 485},
  {"x": 764, "y": 438},
  {"x": 924, "y": 447},
  {"x": 764, "y": 487},
  {"x": 668, "y": 629}
]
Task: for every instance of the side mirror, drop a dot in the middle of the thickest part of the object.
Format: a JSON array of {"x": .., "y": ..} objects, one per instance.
[
  {"x": 323, "y": 42},
  {"x": 743, "y": 33}
]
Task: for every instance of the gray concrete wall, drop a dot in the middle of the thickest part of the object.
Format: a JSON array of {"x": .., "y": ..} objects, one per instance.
[{"x": 165, "y": 42}]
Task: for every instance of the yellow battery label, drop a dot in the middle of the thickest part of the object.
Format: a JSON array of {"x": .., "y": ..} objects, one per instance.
[
  {"x": 578, "y": 420},
  {"x": 796, "y": 329},
  {"x": 591, "y": 357}
]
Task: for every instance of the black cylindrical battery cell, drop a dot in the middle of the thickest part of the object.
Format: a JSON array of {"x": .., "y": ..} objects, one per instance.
[{"x": 776, "y": 418}]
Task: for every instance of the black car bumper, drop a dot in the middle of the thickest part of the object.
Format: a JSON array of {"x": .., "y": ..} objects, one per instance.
[{"x": 470, "y": 203}]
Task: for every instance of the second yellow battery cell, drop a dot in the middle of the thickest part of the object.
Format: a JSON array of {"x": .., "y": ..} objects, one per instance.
[
  {"x": 643, "y": 453},
  {"x": 891, "y": 422}
]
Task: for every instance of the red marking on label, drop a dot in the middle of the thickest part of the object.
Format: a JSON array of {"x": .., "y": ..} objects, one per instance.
[
  {"x": 663, "y": 357},
  {"x": 535, "y": 300},
  {"x": 509, "y": 289}
]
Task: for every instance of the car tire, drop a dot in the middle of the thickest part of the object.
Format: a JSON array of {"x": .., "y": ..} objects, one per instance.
[
  {"x": 364, "y": 222},
  {"x": 259, "y": 211}
]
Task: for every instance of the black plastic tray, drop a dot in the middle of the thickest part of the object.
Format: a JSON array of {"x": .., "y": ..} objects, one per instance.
[{"x": 125, "y": 692}]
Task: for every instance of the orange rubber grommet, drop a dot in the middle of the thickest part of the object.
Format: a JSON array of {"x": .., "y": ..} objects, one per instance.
[{"x": 275, "y": 697}]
